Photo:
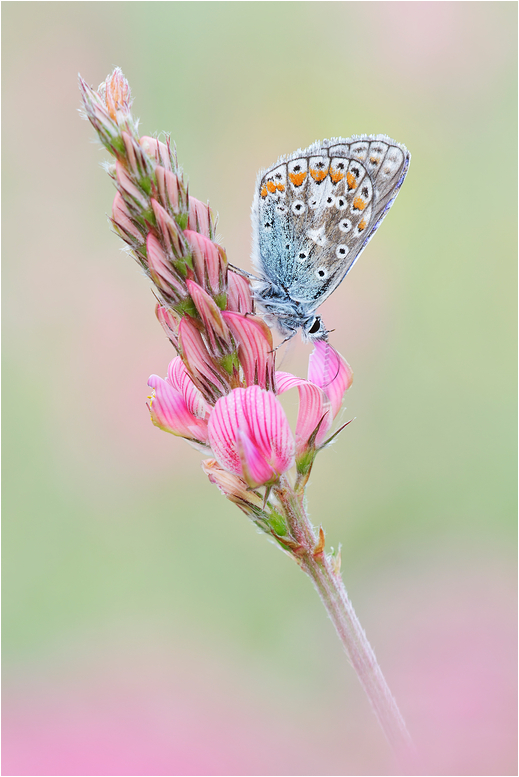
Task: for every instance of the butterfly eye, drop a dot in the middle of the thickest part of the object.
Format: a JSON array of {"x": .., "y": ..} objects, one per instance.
[
  {"x": 298, "y": 207},
  {"x": 345, "y": 225},
  {"x": 315, "y": 326},
  {"x": 341, "y": 251}
]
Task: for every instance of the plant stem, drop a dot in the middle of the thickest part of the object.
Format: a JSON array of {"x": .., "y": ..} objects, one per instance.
[{"x": 330, "y": 587}]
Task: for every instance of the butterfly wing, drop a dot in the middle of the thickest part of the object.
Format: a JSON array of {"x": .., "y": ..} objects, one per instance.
[{"x": 315, "y": 211}]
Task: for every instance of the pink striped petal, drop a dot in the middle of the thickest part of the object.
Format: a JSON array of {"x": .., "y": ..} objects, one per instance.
[
  {"x": 216, "y": 329},
  {"x": 239, "y": 296},
  {"x": 169, "y": 229},
  {"x": 129, "y": 187},
  {"x": 255, "y": 469},
  {"x": 255, "y": 348},
  {"x": 199, "y": 218},
  {"x": 329, "y": 370},
  {"x": 182, "y": 382},
  {"x": 122, "y": 219},
  {"x": 159, "y": 151},
  {"x": 250, "y": 436},
  {"x": 314, "y": 408},
  {"x": 169, "y": 321},
  {"x": 209, "y": 262},
  {"x": 207, "y": 375},
  {"x": 170, "y": 412},
  {"x": 167, "y": 183},
  {"x": 158, "y": 264}
]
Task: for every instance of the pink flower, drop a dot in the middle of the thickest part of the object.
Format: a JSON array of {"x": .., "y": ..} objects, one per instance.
[
  {"x": 320, "y": 397},
  {"x": 177, "y": 406},
  {"x": 250, "y": 436}
]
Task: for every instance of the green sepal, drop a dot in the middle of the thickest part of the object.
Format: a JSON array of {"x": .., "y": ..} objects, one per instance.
[
  {"x": 180, "y": 267},
  {"x": 182, "y": 219},
  {"x": 277, "y": 523},
  {"x": 229, "y": 362},
  {"x": 305, "y": 461},
  {"x": 145, "y": 184},
  {"x": 221, "y": 300},
  {"x": 186, "y": 306},
  {"x": 116, "y": 146},
  {"x": 145, "y": 218}
]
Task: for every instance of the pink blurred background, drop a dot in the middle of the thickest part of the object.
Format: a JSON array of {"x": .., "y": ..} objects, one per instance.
[{"x": 147, "y": 629}]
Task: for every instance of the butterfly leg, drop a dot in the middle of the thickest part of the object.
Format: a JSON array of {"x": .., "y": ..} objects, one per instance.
[{"x": 241, "y": 272}]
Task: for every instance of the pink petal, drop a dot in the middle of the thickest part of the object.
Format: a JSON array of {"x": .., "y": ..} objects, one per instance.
[
  {"x": 169, "y": 321},
  {"x": 239, "y": 297},
  {"x": 170, "y": 412},
  {"x": 158, "y": 264},
  {"x": 167, "y": 184},
  {"x": 122, "y": 219},
  {"x": 270, "y": 429},
  {"x": 210, "y": 314},
  {"x": 199, "y": 218},
  {"x": 157, "y": 150},
  {"x": 169, "y": 229},
  {"x": 255, "y": 468},
  {"x": 329, "y": 370},
  {"x": 250, "y": 436},
  {"x": 255, "y": 348},
  {"x": 182, "y": 382},
  {"x": 207, "y": 375},
  {"x": 209, "y": 262},
  {"x": 129, "y": 187},
  {"x": 313, "y": 408}
]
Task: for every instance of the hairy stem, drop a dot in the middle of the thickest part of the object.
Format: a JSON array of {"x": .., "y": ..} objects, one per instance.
[{"x": 330, "y": 587}]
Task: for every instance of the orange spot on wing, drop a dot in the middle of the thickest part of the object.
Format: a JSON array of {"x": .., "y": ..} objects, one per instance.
[
  {"x": 318, "y": 175},
  {"x": 297, "y": 178},
  {"x": 281, "y": 187},
  {"x": 336, "y": 176},
  {"x": 271, "y": 186},
  {"x": 374, "y": 160},
  {"x": 352, "y": 181},
  {"x": 362, "y": 225},
  {"x": 358, "y": 203},
  {"x": 263, "y": 191}
]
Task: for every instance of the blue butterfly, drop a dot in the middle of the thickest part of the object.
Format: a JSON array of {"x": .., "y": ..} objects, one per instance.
[{"x": 313, "y": 214}]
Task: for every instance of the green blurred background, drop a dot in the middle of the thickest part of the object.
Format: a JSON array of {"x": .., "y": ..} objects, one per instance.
[{"x": 147, "y": 628}]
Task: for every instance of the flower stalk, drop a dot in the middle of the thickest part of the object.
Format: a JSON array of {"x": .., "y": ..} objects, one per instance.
[
  {"x": 324, "y": 571},
  {"x": 221, "y": 393}
]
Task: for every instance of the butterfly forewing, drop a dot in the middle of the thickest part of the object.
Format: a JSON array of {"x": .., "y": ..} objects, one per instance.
[{"x": 317, "y": 210}]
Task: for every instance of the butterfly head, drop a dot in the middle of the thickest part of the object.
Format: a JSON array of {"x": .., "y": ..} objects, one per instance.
[{"x": 314, "y": 329}]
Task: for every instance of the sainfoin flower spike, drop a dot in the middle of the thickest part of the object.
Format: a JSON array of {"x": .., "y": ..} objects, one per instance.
[{"x": 221, "y": 393}]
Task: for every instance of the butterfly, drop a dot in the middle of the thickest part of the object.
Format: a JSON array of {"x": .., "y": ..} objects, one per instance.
[{"x": 313, "y": 214}]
